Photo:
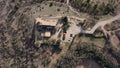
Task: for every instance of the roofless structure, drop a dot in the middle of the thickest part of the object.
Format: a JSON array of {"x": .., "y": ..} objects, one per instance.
[{"x": 46, "y": 27}]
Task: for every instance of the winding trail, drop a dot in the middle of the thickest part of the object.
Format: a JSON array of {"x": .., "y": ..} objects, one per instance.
[
  {"x": 97, "y": 25},
  {"x": 102, "y": 24}
]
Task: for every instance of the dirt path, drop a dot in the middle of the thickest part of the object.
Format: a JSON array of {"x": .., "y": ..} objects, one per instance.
[
  {"x": 99, "y": 24},
  {"x": 67, "y": 2},
  {"x": 102, "y": 24},
  {"x": 69, "y": 17},
  {"x": 72, "y": 9}
]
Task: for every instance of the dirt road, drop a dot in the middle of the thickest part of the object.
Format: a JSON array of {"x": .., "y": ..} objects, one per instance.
[{"x": 102, "y": 24}]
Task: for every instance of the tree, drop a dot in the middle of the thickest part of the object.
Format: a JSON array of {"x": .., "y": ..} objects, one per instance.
[
  {"x": 51, "y": 4},
  {"x": 109, "y": 8},
  {"x": 64, "y": 20}
]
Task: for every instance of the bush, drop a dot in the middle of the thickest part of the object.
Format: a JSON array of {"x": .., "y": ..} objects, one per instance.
[
  {"x": 51, "y": 4},
  {"x": 58, "y": 9}
]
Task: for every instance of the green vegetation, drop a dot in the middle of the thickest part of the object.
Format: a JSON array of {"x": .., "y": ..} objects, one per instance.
[
  {"x": 65, "y": 22},
  {"x": 60, "y": 34},
  {"x": 51, "y": 42},
  {"x": 98, "y": 41},
  {"x": 17, "y": 37},
  {"x": 58, "y": 41},
  {"x": 58, "y": 9},
  {"x": 113, "y": 26},
  {"x": 92, "y": 8},
  {"x": 12, "y": 13},
  {"x": 85, "y": 51},
  {"x": 51, "y": 4},
  {"x": 46, "y": 61}
]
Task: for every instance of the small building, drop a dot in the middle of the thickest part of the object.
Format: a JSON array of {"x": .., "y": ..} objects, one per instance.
[{"x": 46, "y": 27}]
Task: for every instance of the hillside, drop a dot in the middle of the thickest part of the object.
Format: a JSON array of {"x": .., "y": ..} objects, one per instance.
[
  {"x": 97, "y": 7},
  {"x": 17, "y": 35}
]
